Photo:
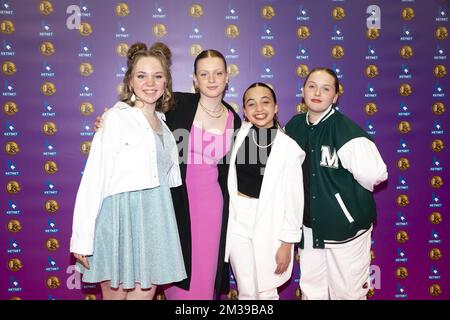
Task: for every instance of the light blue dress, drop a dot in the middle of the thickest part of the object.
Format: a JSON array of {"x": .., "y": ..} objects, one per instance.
[{"x": 136, "y": 236}]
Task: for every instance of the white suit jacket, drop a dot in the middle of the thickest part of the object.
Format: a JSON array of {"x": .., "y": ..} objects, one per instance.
[
  {"x": 279, "y": 215},
  {"x": 122, "y": 158}
]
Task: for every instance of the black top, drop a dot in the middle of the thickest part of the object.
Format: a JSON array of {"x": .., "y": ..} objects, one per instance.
[{"x": 251, "y": 159}]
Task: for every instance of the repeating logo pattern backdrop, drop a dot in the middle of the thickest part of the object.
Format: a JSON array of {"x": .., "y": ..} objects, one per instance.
[{"x": 63, "y": 62}]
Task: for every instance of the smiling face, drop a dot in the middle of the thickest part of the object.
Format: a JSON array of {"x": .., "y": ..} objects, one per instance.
[
  {"x": 319, "y": 92},
  {"x": 260, "y": 107},
  {"x": 148, "y": 80},
  {"x": 211, "y": 77}
]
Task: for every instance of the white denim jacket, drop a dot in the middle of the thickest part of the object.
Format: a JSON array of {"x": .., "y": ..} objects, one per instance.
[{"x": 122, "y": 158}]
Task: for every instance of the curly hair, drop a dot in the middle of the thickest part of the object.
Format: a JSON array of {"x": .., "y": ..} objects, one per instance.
[{"x": 159, "y": 51}]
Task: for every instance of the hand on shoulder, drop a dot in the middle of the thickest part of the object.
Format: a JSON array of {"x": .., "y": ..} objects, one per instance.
[{"x": 99, "y": 120}]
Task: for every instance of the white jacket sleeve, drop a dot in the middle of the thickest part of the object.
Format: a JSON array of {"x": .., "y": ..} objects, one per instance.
[
  {"x": 293, "y": 195},
  {"x": 93, "y": 185},
  {"x": 361, "y": 157}
]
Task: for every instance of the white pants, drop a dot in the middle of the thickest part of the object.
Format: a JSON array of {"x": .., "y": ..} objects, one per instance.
[
  {"x": 338, "y": 273},
  {"x": 241, "y": 257},
  {"x": 242, "y": 261}
]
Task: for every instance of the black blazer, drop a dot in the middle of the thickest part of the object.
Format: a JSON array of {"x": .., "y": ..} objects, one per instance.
[{"x": 181, "y": 116}]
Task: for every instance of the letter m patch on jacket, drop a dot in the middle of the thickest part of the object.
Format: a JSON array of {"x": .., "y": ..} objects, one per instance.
[{"x": 329, "y": 160}]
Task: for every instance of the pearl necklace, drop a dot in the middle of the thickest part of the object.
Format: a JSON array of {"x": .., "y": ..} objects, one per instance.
[
  {"x": 213, "y": 114},
  {"x": 254, "y": 141}
]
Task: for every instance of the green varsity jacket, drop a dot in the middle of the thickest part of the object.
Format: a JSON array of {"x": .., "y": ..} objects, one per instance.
[{"x": 341, "y": 167}]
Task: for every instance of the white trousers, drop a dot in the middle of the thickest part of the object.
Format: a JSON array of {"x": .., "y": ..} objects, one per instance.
[
  {"x": 242, "y": 261},
  {"x": 337, "y": 273},
  {"x": 242, "y": 257}
]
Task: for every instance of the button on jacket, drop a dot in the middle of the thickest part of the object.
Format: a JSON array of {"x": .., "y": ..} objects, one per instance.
[{"x": 122, "y": 158}]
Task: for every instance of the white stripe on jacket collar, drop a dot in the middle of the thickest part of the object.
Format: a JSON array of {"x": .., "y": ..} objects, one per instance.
[{"x": 323, "y": 117}]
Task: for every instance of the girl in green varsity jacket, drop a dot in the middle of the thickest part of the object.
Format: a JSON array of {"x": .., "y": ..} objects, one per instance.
[{"x": 341, "y": 168}]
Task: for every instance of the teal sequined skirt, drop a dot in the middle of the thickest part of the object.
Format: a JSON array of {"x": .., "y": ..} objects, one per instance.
[{"x": 136, "y": 241}]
